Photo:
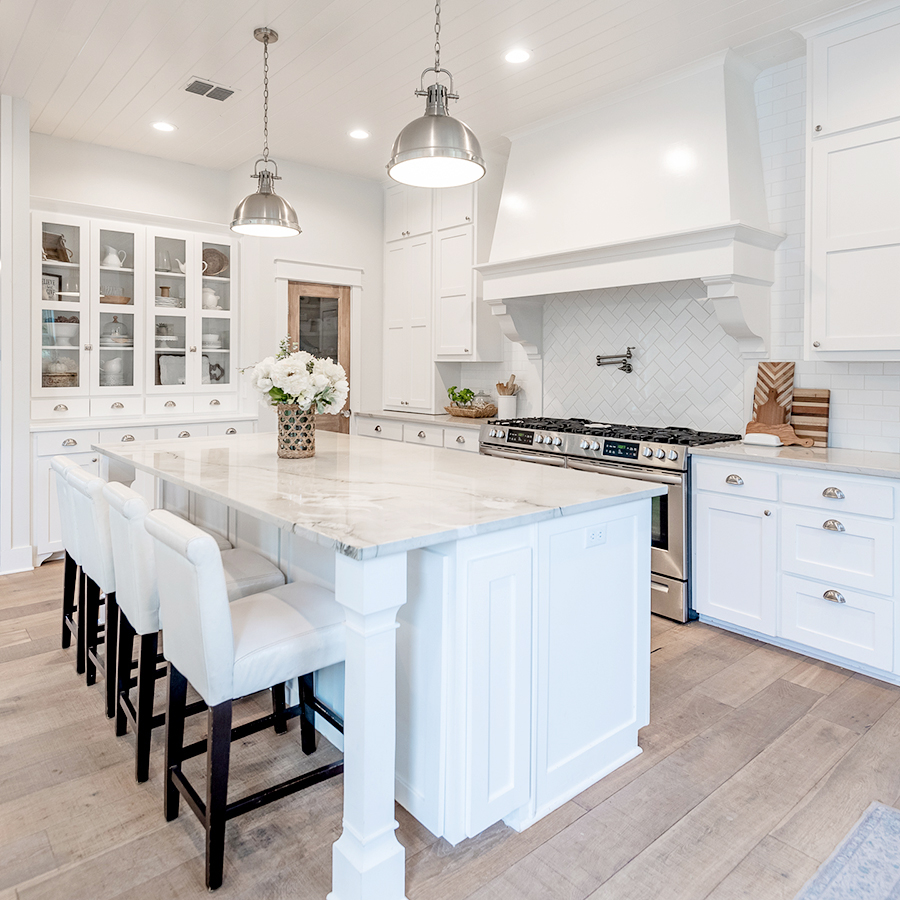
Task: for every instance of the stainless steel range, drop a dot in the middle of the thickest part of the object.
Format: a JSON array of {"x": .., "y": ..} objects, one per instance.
[{"x": 629, "y": 451}]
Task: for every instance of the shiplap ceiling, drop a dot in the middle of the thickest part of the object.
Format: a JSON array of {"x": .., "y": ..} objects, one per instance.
[{"x": 102, "y": 71}]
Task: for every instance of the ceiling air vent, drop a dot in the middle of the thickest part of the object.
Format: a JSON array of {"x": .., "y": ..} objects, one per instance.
[{"x": 208, "y": 89}]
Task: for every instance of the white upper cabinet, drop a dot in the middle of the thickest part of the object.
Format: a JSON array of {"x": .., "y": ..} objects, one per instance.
[
  {"x": 407, "y": 212},
  {"x": 454, "y": 206},
  {"x": 855, "y": 75}
]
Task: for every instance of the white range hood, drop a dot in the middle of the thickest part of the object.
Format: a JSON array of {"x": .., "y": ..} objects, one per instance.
[{"x": 662, "y": 184}]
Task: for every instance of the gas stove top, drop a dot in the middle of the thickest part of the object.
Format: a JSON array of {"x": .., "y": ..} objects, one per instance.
[{"x": 601, "y": 441}]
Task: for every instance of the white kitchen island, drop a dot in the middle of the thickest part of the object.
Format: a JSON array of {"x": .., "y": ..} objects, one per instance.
[{"x": 519, "y": 674}]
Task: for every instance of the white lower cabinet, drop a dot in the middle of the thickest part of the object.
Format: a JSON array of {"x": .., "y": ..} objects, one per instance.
[
  {"x": 46, "y": 536},
  {"x": 427, "y": 433},
  {"x": 818, "y": 573},
  {"x": 735, "y": 549}
]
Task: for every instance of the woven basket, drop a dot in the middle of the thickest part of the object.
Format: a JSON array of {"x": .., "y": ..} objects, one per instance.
[
  {"x": 296, "y": 432},
  {"x": 472, "y": 412},
  {"x": 59, "y": 379}
]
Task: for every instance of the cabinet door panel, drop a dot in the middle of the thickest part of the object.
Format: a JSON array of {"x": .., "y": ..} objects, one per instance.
[
  {"x": 47, "y": 536},
  {"x": 455, "y": 206},
  {"x": 418, "y": 210},
  {"x": 396, "y": 365},
  {"x": 394, "y": 213},
  {"x": 735, "y": 576},
  {"x": 498, "y": 599},
  {"x": 455, "y": 325}
]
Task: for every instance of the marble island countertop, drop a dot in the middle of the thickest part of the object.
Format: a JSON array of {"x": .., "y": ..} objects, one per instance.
[
  {"x": 366, "y": 498},
  {"x": 835, "y": 459}
]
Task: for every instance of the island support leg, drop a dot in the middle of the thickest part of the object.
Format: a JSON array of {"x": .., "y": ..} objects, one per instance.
[{"x": 368, "y": 860}]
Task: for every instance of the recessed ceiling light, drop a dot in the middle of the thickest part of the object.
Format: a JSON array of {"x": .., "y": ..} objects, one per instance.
[
  {"x": 359, "y": 134},
  {"x": 517, "y": 56},
  {"x": 164, "y": 126}
]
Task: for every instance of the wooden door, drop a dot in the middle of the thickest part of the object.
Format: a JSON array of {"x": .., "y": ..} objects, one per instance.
[{"x": 319, "y": 323}]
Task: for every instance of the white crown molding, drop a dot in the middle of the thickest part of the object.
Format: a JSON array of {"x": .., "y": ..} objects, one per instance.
[{"x": 846, "y": 16}]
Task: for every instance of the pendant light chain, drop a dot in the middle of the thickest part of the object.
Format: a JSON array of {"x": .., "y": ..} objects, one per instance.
[
  {"x": 266, "y": 101},
  {"x": 437, "y": 36}
]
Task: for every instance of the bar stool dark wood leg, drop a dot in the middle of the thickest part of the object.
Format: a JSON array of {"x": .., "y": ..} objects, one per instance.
[
  {"x": 91, "y": 630},
  {"x": 123, "y": 670},
  {"x": 176, "y": 700},
  {"x": 70, "y": 585},
  {"x": 110, "y": 643},
  {"x": 308, "y": 716},
  {"x": 217, "y": 761},
  {"x": 81, "y": 633},
  {"x": 278, "y": 708},
  {"x": 144, "y": 718}
]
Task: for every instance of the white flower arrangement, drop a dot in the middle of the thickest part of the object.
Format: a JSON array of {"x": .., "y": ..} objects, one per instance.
[{"x": 317, "y": 385}]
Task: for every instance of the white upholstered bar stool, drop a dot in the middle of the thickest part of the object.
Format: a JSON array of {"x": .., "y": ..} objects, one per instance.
[
  {"x": 72, "y": 621},
  {"x": 226, "y": 651},
  {"x": 138, "y": 602}
]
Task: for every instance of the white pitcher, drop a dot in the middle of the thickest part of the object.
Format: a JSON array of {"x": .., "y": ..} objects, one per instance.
[{"x": 113, "y": 258}]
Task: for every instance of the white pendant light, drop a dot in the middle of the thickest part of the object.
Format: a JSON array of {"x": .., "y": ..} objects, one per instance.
[
  {"x": 264, "y": 213},
  {"x": 436, "y": 150}
]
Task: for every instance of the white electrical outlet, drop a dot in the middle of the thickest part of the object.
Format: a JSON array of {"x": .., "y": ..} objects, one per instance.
[{"x": 595, "y": 535}]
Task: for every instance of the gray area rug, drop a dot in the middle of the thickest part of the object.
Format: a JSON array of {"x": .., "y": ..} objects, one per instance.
[{"x": 866, "y": 864}]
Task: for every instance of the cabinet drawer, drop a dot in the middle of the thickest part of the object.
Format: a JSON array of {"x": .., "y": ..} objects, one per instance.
[
  {"x": 167, "y": 432},
  {"x": 117, "y": 407},
  {"x": 380, "y": 428},
  {"x": 747, "y": 481},
  {"x": 170, "y": 406},
  {"x": 845, "y": 494},
  {"x": 62, "y": 408},
  {"x": 52, "y": 443},
  {"x": 216, "y": 404},
  {"x": 861, "y": 628},
  {"x": 858, "y": 556},
  {"x": 461, "y": 439},
  {"x": 126, "y": 435},
  {"x": 432, "y": 435},
  {"x": 214, "y": 428}
]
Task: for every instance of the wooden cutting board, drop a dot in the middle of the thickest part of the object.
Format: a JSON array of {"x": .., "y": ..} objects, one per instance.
[
  {"x": 774, "y": 393},
  {"x": 809, "y": 415}
]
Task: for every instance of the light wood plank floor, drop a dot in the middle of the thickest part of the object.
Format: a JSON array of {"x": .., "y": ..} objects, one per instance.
[{"x": 755, "y": 765}]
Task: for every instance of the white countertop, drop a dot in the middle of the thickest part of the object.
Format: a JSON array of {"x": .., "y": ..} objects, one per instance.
[
  {"x": 835, "y": 459},
  {"x": 425, "y": 419},
  {"x": 365, "y": 498}
]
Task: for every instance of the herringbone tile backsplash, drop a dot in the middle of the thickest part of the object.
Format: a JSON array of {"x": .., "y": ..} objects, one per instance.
[{"x": 687, "y": 371}]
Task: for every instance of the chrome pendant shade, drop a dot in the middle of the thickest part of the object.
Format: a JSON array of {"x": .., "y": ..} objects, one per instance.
[
  {"x": 264, "y": 213},
  {"x": 436, "y": 150}
]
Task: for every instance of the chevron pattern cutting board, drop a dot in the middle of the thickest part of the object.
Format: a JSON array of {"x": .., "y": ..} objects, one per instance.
[
  {"x": 774, "y": 380},
  {"x": 809, "y": 415}
]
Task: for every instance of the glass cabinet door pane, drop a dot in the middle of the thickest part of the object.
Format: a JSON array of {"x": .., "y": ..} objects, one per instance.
[
  {"x": 60, "y": 263},
  {"x": 169, "y": 352},
  {"x": 116, "y": 339},
  {"x": 216, "y": 346},
  {"x": 171, "y": 269},
  {"x": 216, "y": 264},
  {"x": 60, "y": 349},
  {"x": 116, "y": 258},
  {"x": 319, "y": 326}
]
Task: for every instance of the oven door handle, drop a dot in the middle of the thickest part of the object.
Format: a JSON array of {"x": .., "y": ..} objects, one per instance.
[
  {"x": 655, "y": 477},
  {"x": 524, "y": 457}
]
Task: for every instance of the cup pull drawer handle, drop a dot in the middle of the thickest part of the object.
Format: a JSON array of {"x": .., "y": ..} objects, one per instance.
[
  {"x": 117, "y": 405},
  {"x": 214, "y": 403},
  {"x": 734, "y": 479},
  {"x": 60, "y": 407},
  {"x": 127, "y": 437},
  {"x": 184, "y": 434},
  {"x": 231, "y": 431},
  {"x": 834, "y": 596},
  {"x": 460, "y": 439},
  {"x": 69, "y": 442},
  {"x": 421, "y": 434},
  {"x": 833, "y": 493},
  {"x": 833, "y": 525},
  {"x": 170, "y": 402}
]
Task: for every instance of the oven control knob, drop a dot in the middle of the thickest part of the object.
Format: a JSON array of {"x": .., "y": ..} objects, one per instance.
[
  {"x": 492, "y": 432},
  {"x": 501, "y": 433},
  {"x": 557, "y": 441},
  {"x": 584, "y": 445},
  {"x": 660, "y": 454},
  {"x": 595, "y": 445},
  {"x": 673, "y": 455},
  {"x": 647, "y": 451}
]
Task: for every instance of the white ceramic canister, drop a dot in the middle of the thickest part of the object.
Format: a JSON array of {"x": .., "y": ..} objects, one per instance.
[{"x": 506, "y": 406}]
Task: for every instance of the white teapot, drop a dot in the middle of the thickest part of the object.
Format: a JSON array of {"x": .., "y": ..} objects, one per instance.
[
  {"x": 210, "y": 298},
  {"x": 113, "y": 258},
  {"x": 181, "y": 265}
]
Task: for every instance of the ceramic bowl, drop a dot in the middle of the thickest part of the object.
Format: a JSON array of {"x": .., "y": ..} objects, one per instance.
[{"x": 65, "y": 332}]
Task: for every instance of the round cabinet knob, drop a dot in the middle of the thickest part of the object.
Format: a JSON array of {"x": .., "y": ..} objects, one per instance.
[
  {"x": 117, "y": 405},
  {"x": 182, "y": 434},
  {"x": 460, "y": 439},
  {"x": 69, "y": 442},
  {"x": 501, "y": 433},
  {"x": 126, "y": 438},
  {"x": 767, "y": 512},
  {"x": 421, "y": 434},
  {"x": 193, "y": 349},
  {"x": 660, "y": 454},
  {"x": 231, "y": 431},
  {"x": 170, "y": 402},
  {"x": 647, "y": 451},
  {"x": 214, "y": 403},
  {"x": 595, "y": 445},
  {"x": 584, "y": 445},
  {"x": 673, "y": 455},
  {"x": 816, "y": 344},
  {"x": 557, "y": 441},
  {"x": 378, "y": 429},
  {"x": 60, "y": 407},
  {"x": 818, "y": 127}
]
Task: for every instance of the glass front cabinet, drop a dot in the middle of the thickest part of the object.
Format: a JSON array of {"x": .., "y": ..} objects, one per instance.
[{"x": 124, "y": 309}]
